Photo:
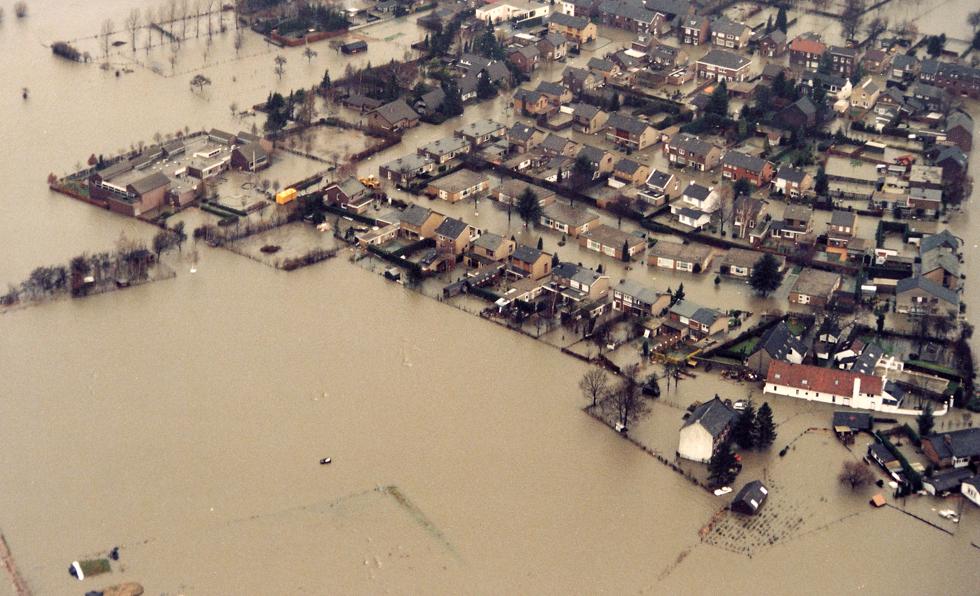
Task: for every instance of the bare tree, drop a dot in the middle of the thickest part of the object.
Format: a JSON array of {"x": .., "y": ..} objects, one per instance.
[
  {"x": 183, "y": 11},
  {"x": 307, "y": 109},
  {"x": 200, "y": 81},
  {"x": 234, "y": 109},
  {"x": 625, "y": 402},
  {"x": 197, "y": 18},
  {"x": 310, "y": 54},
  {"x": 210, "y": 7},
  {"x": 876, "y": 27},
  {"x": 20, "y": 9},
  {"x": 855, "y": 474},
  {"x": 133, "y": 22},
  {"x": 105, "y": 33},
  {"x": 974, "y": 19},
  {"x": 594, "y": 384},
  {"x": 172, "y": 16},
  {"x": 239, "y": 39},
  {"x": 280, "y": 65},
  {"x": 172, "y": 58},
  {"x": 851, "y": 17}
]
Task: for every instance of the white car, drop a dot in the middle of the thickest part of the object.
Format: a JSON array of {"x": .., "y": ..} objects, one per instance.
[
  {"x": 723, "y": 491},
  {"x": 740, "y": 405}
]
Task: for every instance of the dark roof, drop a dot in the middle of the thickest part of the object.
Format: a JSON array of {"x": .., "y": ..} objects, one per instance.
[
  {"x": 585, "y": 110},
  {"x": 854, "y": 420},
  {"x": 593, "y": 154},
  {"x": 842, "y": 218},
  {"x": 691, "y": 144},
  {"x": 150, "y": 182},
  {"x": 396, "y": 111},
  {"x": 415, "y": 215},
  {"x": 628, "y": 166},
  {"x": 881, "y": 453},
  {"x": 778, "y": 341},
  {"x": 548, "y": 88},
  {"x": 526, "y": 254},
  {"x": 790, "y": 173},
  {"x": 659, "y": 178},
  {"x": 627, "y": 123},
  {"x": 726, "y": 26},
  {"x": 697, "y": 191},
  {"x": 737, "y": 159},
  {"x": 750, "y": 498},
  {"x": 842, "y": 51},
  {"x": 724, "y": 59},
  {"x": 253, "y": 150},
  {"x": 565, "y": 20},
  {"x": 451, "y": 227},
  {"x": 868, "y": 360},
  {"x": 954, "y": 154},
  {"x": 949, "y": 480},
  {"x": 961, "y": 120},
  {"x": 713, "y": 415},
  {"x": 961, "y": 443},
  {"x": 521, "y": 131},
  {"x": 934, "y": 241},
  {"x": 927, "y": 285},
  {"x": 600, "y": 64},
  {"x": 433, "y": 99}
]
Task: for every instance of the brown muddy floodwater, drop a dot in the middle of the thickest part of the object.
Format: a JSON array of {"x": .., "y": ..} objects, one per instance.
[{"x": 184, "y": 420}]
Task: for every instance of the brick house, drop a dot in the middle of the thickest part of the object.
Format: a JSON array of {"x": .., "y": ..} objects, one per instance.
[
  {"x": 739, "y": 166},
  {"x": 722, "y": 65},
  {"x": 685, "y": 150}
]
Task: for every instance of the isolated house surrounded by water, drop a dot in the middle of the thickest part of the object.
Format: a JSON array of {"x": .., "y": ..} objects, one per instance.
[
  {"x": 750, "y": 498},
  {"x": 706, "y": 428}
]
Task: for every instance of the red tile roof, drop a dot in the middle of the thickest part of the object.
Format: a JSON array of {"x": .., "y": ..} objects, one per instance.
[
  {"x": 808, "y": 45},
  {"x": 824, "y": 380}
]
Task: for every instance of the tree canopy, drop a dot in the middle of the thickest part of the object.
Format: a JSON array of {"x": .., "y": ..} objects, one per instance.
[
  {"x": 528, "y": 206},
  {"x": 766, "y": 275}
]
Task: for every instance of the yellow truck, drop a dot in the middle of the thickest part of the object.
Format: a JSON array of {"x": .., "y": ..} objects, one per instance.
[
  {"x": 371, "y": 182},
  {"x": 285, "y": 196}
]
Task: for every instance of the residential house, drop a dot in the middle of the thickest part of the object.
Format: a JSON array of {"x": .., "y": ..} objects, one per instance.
[
  {"x": 700, "y": 321},
  {"x": 490, "y": 248},
  {"x": 480, "y": 133},
  {"x": 739, "y": 166},
  {"x": 523, "y": 138},
  {"x": 580, "y": 80},
  {"x": 532, "y": 103},
  {"x": 865, "y": 95},
  {"x": 453, "y": 236},
  {"x": 692, "y": 218},
  {"x": 460, "y": 185},
  {"x": 393, "y": 117},
  {"x": 702, "y": 198},
  {"x": 600, "y": 160},
  {"x": 792, "y": 182},
  {"x": 959, "y": 130},
  {"x": 777, "y": 343},
  {"x": 525, "y": 58},
  {"x": 840, "y": 230},
  {"x": 852, "y": 422},
  {"x": 624, "y": 14},
  {"x": 958, "y": 79},
  {"x": 946, "y": 482},
  {"x": 663, "y": 56},
  {"x": 530, "y": 262},
  {"x": 828, "y": 385},
  {"x": 749, "y": 499},
  {"x": 516, "y": 11},
  {"x": 739, "y": 262},
  {"x": 797, "y": 222},
  {"x": 708, "y": 426},
  {"x": 722, "y": 65},
  {"x": 579, "y": 30},
  {"x": 773, "y": 44},
  {"x": 630, "y": 132},
  {"x": 553, "y": 47},
  {"x": 361, "y": 103},
  {"x": 350, "y": 195},
  {"x": 407, "y": 168},
  {"x": 954, "y": 449},
  {"x": 953, "y": 162},
  {"x": 802, "y": 113},
  {"x": 510, "y": 190},
  {"x": 630, "y": 171},
  {"x": 693, "y": 258},
  {"x": 805, "y": 52},
  {"x": 429, "y": 103},
  {"x": 746, "y": 213},
  {"x": 726, "y": 33},
  {"x": 588, "y": 118},
  {"x": 919, "y": 295},
  {"x": 443, "y": 151},
  {"x": 606, "y": 69},
  {"x": 933, "y": 98},
  {"x": 612, "y": 242},
  {"x": 842, "y": 60},
  {"x": 250, "y": 157},
  {"x": 638, "y": 300},
  {"x": 569, "y": 220},
  {"x": 939, "y": 266},
  {"x": 660, "y": 187},
  {"x": 903, "y": 67},
  {"x": 875, "y": 61},
  {"x": 685, "y": 150},
  {"x": 580, "y": 283},
  {"x": 693, "y": 30},
  {"x": 814, "y": 287},
  {"x": 417, "y": 222}
]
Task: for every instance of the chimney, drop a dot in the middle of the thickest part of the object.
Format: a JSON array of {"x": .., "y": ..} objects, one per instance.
[{"x": 857, "y": 387}]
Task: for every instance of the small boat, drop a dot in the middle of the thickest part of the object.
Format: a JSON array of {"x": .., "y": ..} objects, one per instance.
[{"x": 325, "y": 461}]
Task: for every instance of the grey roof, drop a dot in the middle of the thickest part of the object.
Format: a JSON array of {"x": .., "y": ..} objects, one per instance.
[
  {"x": 685, "y": 308},
  {"x": 600, "y": 64},
  {"x": 842, "y": 218},
  {"x": 150, "y": 182},
  {"x": 779, "y": 342},
  {"x": 253, "y": 150},
  {"x": 489, "y": 241},
  {"x": 797, "y": 212},
  {"x": 959, "y": 119},
  {"x": 433, "y": 99},
  {"x": 668, "y": 7},
  {"x": 631, "y": 125},
  {"x": 868, "y": 360},
  {"x": 750, "y": 497},
  {"x": 459, "y": 180},
  {"x": 949, "y": 480},
  {"x": 593, "y": 154},
  {"x": 726, "y": 26},
  {"x": 451, "y": 227},
  {"x": 627, "y": 166},
  {"x": 120, "y": 167},
  {"x": 555, "y": 142},
  {"x": 842, "y": 51},
  {"x": 689, "y": 213},
  {"x": 791, "y": 174},
  {"x": 641, "y": 292},
  {"x": 853, "y": 420},
  {"x": 556, "y": 89},
  {"x": 697, "y": 191},
  {"x": 927, "y": 285},
  {"x": 521, "y": 131},
  {"x": 713, "y": 415},
  {"x": 528, "y": 52},
  {"x": 444, "y": 146},
  {"x": 577, "y": 273},
  {"x": 694, "y": 21},
  {"x": 585, "y": 110},
  {"x": 691, "y": 144},
  {"x": 408, "y": 163},
  {"x": 964, "y": 442},
  {"x": 706, "y": 316},
  {"x": 352, "y": 187},
  {"x": 737, "y": 159},
  {"x": 953, "y": 153},
  {"x": 555, "y": 39},
  {"x": 571, "y": 216},
  {"x": 659, "y": 179},
  {"x": 526, "y": 254},
  {"x": 479, "y": 128},
  {"x": 935, "y": 259},
  {"x": 415, "y": 215},
  {"x": 903, "y": 61},
  {"x": 724, "y": 59},
  {"x": 934, "y": 241},
  {"x": 627, "y": 10},
  {"x": 814, "y": 282},
  {"x": 565, "y": 20},
  {"x": 396, "y": 111}
]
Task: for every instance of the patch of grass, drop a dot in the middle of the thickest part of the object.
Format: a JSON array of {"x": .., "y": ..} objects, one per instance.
[
  {"x": 934, "y": 367},
  {"x": 745, "y": 347},
  {"x": 94, "y": 566}
]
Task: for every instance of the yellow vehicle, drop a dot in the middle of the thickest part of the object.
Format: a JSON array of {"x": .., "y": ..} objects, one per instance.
[
  {"x": 371, "y": 182},
  {"x": 285, "y": 196}
]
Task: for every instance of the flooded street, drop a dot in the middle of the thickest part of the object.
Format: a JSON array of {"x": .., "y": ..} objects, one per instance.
[{"x": 184, "y": 420}]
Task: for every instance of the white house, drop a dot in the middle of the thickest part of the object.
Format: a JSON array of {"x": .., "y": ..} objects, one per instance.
[
  {"x": 702, "y": 198},
  {"x": 827, "y": 385},
  {"x": 512, "y": 10},
  {"x": 708, "y": 425},
  {"x": 971, "y": 489}
]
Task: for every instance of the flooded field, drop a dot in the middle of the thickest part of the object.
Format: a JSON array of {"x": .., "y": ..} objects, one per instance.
[{"x": 184, "y": 420}]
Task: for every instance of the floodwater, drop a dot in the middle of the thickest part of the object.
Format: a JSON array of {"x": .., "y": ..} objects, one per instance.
[{"x": 183, "y": 420}]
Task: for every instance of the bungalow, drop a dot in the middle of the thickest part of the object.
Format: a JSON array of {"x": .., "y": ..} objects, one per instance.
[
  {"x": 443, "y": 151},
  {"x": 772, "y": 44},
  {"x": 510, "y": 190},
  {"x": 490, "y": 247},
  {"x": 806, "y": 51},
  {"x": 523, "y": 138},
  {"x": 941, "y": 484},
  {"x": 919, "y": 295},
  {"x": 588, "y": 118},
  {"x": 481, "y": 132},
  {"x": 726, "y": 33},
  {"x": 708, "y": 426},
  {"x": 579, "y": 283},
  {"x": 814, "y": 287},
  {"x": 407, "y": 168},
  {"x": 693, "y": 258},
  {"x": 721, "y": 65},
  {"x": 954, "y": 449},
  {"x": 417, "y": 222},
  {"x": 694, "y": 30},
  {"x": 350, "y": 195},
  {"x": 393, "y": 117},
  {"x": 630, "y": 171},
  {"x": 828, "y": 385},
  {"x": 739, "y": 262},
  {"x": 630, "y": 132},
  {"x": 460, "y": 185},
  {"x": 612, "y": 242},
  {"x": 882, "y": 456},
  {"x": 573, "y": 221},
  {"x": 792, "y": 182},
  {"x": 361, "y": 103},
  {"x": 866, "y": 94},
  {"x": 687, "y": 150},
  {"x": 453, "y": 236},
  {"x": 777, "y": 343},
  {"x": 661, "y": 187},
  {"x": 579, "y": 30},
  {"x": 739, "y": 166},
  {"x": 750, "y": 498},
  {"x": 693, "y": 218},
  {"x": 530, "y": 262},
  {"x": 636, "y": 299},
  {"x": 700, "y": 321}
]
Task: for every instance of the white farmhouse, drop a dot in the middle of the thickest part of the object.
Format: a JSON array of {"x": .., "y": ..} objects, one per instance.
[{"x": 707, "y": 426}]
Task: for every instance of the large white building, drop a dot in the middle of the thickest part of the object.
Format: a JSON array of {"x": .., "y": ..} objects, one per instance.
[
  {"x": 516, "y": 10},
  {"x": 831, "y": 386},
  {"x": 707, "y": 426}
]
